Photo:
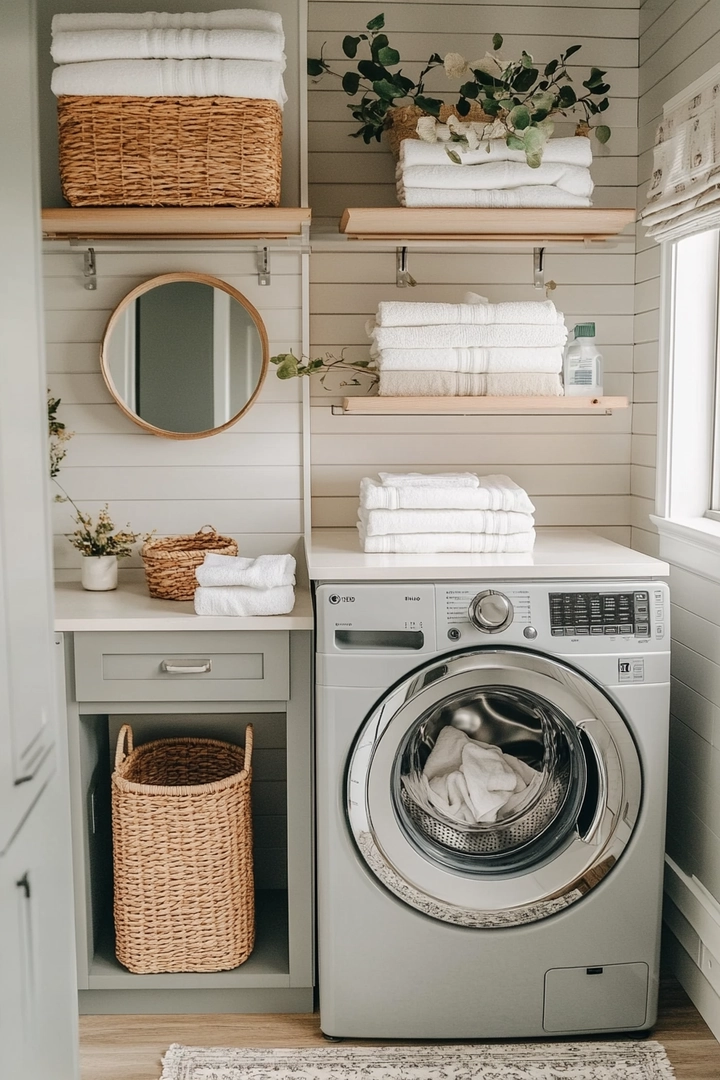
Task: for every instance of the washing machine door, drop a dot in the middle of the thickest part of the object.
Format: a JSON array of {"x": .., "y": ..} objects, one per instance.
[{"x": 493, "y": 787}]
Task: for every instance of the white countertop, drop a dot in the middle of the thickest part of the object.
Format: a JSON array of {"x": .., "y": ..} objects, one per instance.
[
  {"x": 130, "y": 607},
  {"x": 335, "y": 555}
]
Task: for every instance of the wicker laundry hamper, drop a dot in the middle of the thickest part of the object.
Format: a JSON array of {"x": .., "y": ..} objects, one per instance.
[
  {"x": 165, "y": 151},
  {"x": 170, "y": 561},
  {"x": 182, "y": 854}
]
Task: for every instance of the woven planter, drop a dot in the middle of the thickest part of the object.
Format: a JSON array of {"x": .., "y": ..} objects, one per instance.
[
  {"x": 182, "y": 854},
  {"x": 170, "y": 561},
  {"x": 402, "y": 122},
  {"x": 163, "y": 151}
]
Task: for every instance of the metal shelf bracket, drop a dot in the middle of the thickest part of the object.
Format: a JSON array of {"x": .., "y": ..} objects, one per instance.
[
  {"x": 90, "y": 270},
  {"x": 403, "y": 277}
]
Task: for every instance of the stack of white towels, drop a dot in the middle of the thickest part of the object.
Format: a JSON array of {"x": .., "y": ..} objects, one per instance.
[
  {"x": 469, "y": 349},
  {"x": 418, "y": 513},
  {"x": 233, "y": 585},
  {"x": 235, "y": 53},
  {"x": 493, "y": 175}
]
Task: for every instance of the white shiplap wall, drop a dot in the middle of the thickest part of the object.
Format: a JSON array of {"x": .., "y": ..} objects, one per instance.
[
  {"x": 247, "y": 482},
  {"x": 679, "y": 41},
  {"x": 576, "y": 468}
]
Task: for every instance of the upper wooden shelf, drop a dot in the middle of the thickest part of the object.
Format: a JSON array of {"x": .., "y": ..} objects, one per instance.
[
  {"x": 379, "y": 406},
  {"x": 459, "y": 223},
  {"x": 174, "y": 223}
]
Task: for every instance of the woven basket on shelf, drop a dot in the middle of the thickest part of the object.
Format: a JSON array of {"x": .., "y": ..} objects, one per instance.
[
  {"x": 402, "y": 122},
  {"x": 182, "y": 854},
  {"x": 170, "y": 561},
  {"x": 164, "y": 151}
]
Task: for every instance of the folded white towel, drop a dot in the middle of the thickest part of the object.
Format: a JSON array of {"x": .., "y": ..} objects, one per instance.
[
  {"x": 462, "y": 384},
  {"x": 500, "y": 336},
  {"x": 495, "y": 492},
  {"x": 229, "y": 18},
  {"x": 80, "y": 46},
  {"x": 264, "y": 572},
  {"x": 496, "y": 176},
  {"x": 385, "y": 522},
  {"x": 239, "y": 600},
  {"x": 536, "y": 196},
  {"x": 423, "y": 313},
  {"x": 572, "y": 151},
  {"x": 442, "y": 480},
  {"x": 439, "y": 543},
  {"x": 472, "y": 360},
  {"x": 258, "y": 79}
]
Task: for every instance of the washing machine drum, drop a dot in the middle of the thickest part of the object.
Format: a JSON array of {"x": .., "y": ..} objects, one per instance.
[{"x": 493, "y": 788}]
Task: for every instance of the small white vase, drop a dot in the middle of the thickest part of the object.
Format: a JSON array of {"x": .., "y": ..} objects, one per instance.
[{"x": 99, "y": 572}]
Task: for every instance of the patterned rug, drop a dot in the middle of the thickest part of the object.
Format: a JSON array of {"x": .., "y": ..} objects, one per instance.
[{"x": 493, "y": 1061}]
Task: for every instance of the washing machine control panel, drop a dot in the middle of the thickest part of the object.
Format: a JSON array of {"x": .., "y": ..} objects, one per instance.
[{"x": 600, "y": 614}]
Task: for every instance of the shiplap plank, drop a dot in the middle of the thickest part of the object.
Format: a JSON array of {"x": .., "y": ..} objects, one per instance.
[
  {"x": 334, "y": 480},
  {"x": 173, "y": 516},
  {"x": 478, "y": 451},
  {"x": 503, "y": 268},
  {"x": 646, "y": 355},
  {"x": 643, "y": 481},
  {"x": 467, "y": 21},
  {"x": 645, "y": 386},
  {"x": 645, "y": 541},
  {"x": 643, "y": 450},
  {"x": 325, "y": 422},
  {"x": 666, "y": 26},
  {"x": 67, "y": 560},
  {"x": 697, "y": 712},
  {"x": 83, "y": 325},
  {"x": 193, "y": 483}
]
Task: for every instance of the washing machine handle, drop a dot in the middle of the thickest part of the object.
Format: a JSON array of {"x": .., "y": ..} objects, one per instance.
[{"x": 600, "y": 741}]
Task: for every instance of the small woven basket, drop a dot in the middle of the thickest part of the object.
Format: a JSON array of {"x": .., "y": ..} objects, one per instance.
[
  {"x": 182, "y": 854},
  {"x": 170, "y": 561},
  {"x": 402, "y": 122},
  {"x": 164, "y": 151}
]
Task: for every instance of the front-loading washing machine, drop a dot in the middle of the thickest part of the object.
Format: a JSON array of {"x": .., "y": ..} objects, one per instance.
[{"x": 541, "y": 920}]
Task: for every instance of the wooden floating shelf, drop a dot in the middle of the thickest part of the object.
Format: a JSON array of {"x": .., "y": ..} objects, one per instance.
[
  {"x": 379, "y": 406},
  {"x": 174, "y": 222},
  {"x": 459, "y": 223}
]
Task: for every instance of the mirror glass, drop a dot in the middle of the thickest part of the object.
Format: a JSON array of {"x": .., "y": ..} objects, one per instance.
[{"x": 184, "y": 355}]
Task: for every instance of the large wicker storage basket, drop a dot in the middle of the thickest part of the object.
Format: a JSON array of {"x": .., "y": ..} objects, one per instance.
[
  {"x": 163, "y": 151},
  {"x": 170, "y": 561},
  {"x": 182, "y": 854}
]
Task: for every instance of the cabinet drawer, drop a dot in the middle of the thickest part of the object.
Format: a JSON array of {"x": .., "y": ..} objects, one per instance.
[{"x": 222, "y": 665}]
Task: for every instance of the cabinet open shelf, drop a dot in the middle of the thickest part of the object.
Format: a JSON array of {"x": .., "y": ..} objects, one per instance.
[
  {"x": 174, "y": 222},
  {"x": 379, "y": 406},
  {"x": 460, "y": 223}
]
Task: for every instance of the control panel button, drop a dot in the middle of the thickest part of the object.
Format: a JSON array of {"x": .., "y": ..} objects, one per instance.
[
  {"x": 530, "y": 632},
  {"x": 642, "y": 628},
  {"x": 659, "y": 630},
  {"x": 626, "y": 629},
  {"x": 453, "y": 633},
  {"x": 596, "y": 629},
  {"x": 611, "y": 629},
  {"x": 569, "y": 631},
  {"x": 490, "y": 611}
]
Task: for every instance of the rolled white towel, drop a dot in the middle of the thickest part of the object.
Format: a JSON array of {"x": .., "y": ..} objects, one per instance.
[
  {"x": 81, "y": 46},
  {"x": 238, "y": 600},
  {"x": 495, "y": 492},
  {"x": 258, "y": 79},
  {"x": 535, "y": 196},
  {"x": 476, "y": 360},
  {"x": 386, "y": 522},
  {"x": 442, "y": 543},
  {"x": 264, "y": 572},
  {"x": 462, "y": 384},
  {"x": 442, "y": 480},
  {"x": 228, "y": 18},
  {"x": 423, "y": 313},
  {"x": 497, "y": 176},
  {"x": 575, "y": 150},
  {"x": 499, "y": 336}
]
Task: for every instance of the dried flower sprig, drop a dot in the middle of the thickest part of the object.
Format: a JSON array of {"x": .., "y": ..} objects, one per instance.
[
  {"x": 290, "y": 367},
  {"x": 58, "y": 435},
  {"x": 101, "y": 537}
]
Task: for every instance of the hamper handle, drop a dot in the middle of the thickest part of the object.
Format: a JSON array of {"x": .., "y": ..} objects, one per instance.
[
  {"x": 247, "y": 760},
  {"x": 201, "y": 530},
  {"x": 125, "y": 735}
]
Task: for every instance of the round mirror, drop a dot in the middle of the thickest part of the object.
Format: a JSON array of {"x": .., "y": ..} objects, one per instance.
[{"x": 184, "y": 355}]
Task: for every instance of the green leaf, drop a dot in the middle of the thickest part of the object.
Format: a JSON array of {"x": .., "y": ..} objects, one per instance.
[
  {"x": 433, "y": 105},
  {"x": 350, "y": 46},
  {"x": 601, "y": 88},
  {"x": 603, "y": 105},
  {"x": 514, "y": 143},
  {"x": 315, "y": 68},
  {"x": 552, "y": 67},
  {"x": 519, "y": 117},
  {"x": 288, "y": 369},
  {"x": 379, "y": 42},
  {"x": 594, "y": 78},
  {"x": 484, "y": 79},
  {"x": 567, "y": 96},
  {"x": 603, "y": 133},
  {"x": 497, "y": 42},
  {"x": 351, "y": 82},
  {"x": 526, "y": 60},
  {"x": 436, "y": 58},
  {"x": 370, "y": 70},
  {"x": 388, "y": 56},
  {"x": 525, "y": 79},
  {"x": 454, "y": 156},
  {"x": 386, "y": 90},
  {"x": 571, "y": 51},
  {"x": 377, "y": 23},
  {"x": 406, "y": 85},
  {"x": 490, "y": 106},
  {"x": 463, "y": 107},
  {"x": 470, "y": 90}
]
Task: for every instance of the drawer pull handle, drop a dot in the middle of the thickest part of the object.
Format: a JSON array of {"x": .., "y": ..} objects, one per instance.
[{"x": 193, "y": 667}]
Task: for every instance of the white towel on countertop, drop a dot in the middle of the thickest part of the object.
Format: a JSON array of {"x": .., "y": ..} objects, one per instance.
[
  {"x": 535, "y": 196},
  {"x": 441, "y": 543},
  {"x": 575, "y": 150},
  {"x": 424, "y": 313},
  {"x": 264, "y": 572},
  {"x": 477, "y": 360},
  {"x": 464, "y": 384},
  {"x": 495, "y": 492},
  {"x": 259, "y": 79},
  {"x": 386, "y": 522},
  {"x": 81, "y": 46},
  {"x": 424, "y": 480},
  {"x": 500, "y": 336},
  {"x": 240, "y": 600},
  {"x": 229, "y": 18},
  {"x": 497, "y": 176}
]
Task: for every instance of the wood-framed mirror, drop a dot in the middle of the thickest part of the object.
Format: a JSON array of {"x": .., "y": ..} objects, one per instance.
[{"x": 184, "y": 355}]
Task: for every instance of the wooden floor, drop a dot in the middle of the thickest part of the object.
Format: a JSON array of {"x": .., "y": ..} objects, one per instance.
[{"x": 130, "y": 1047}]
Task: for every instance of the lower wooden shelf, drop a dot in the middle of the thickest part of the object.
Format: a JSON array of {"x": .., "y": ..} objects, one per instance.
[
  {"x": 474, "y": 223},
  {"x": 377, "y": 406}
]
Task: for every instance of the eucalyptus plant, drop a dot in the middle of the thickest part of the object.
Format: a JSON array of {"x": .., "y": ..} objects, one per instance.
[{"x": 290, "y": 367}]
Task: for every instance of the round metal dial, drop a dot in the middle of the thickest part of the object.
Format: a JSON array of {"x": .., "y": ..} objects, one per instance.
[{"x": 490, "y": 611}]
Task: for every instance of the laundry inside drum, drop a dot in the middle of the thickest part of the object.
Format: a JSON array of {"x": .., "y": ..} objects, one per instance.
[{"x": 490, "y": 776}]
